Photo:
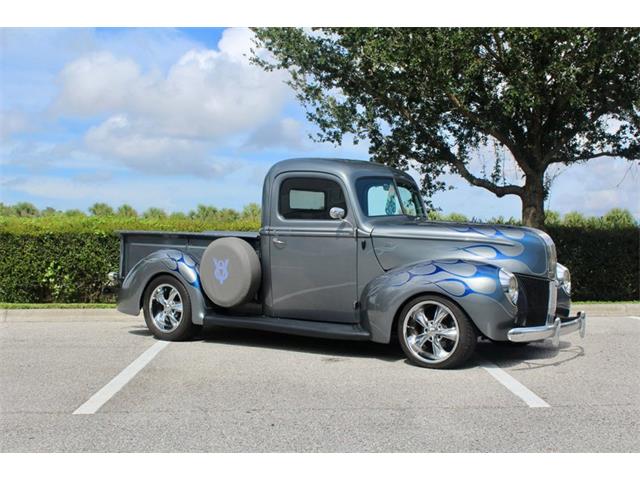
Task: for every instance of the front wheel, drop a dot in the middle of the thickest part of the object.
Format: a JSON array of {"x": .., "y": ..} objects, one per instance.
[
  {"x": 167, "y": 309},
  {"x": 435, "y": 333}
]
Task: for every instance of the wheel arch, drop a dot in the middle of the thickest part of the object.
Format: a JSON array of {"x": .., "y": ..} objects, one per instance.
[
  {"x": 396, "y": 317},
  {"x": 151, "y": 279},
  {"x": 472, "y": 286},
  {"x": 175, "y": 263}
]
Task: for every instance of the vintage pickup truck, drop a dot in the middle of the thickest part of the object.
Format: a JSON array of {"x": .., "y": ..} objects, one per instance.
[{"x": 346, "y": 251}]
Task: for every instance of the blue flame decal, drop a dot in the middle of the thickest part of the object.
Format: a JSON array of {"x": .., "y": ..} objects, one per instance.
[
  {"x": 444, "y": 284},
  {"x": 520, "y": 250},
  {"x": 457, "y": 278},
  {"x": 184, "y": 265},
  {"x": 473, "y": 250}
]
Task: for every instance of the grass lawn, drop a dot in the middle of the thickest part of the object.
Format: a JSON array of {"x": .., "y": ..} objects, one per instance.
[{"x": 55, "y": 305}]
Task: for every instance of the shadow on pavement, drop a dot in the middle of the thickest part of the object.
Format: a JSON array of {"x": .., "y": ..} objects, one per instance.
[
  {"x": 524, "y": 357},
  {"x": 338, "y": 349},
  {"x": 530, "y": 356},
  {"x": 143, "y": 332}
]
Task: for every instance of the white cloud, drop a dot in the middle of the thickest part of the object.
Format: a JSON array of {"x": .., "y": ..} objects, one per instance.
[
  {"x": 11, "y": 123},
  {"x": 597, "y": 186},
  {"x": 32, "y": 57},
  {"x": 152, "y": 154},
  {"x": 208, "y": 94},
  {"x": 286, "y": 133},
  {"x": 170, "y": 121}
]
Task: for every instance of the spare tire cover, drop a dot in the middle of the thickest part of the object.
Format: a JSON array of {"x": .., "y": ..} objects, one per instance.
[{"x": 230, "y": 271}]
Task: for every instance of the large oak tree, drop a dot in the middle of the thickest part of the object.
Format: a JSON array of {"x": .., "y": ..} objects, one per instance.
[{"x": 436, "y": 96}]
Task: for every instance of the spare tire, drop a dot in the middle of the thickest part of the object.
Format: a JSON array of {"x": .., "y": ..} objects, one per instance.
[{"x": 230, "y": 271}]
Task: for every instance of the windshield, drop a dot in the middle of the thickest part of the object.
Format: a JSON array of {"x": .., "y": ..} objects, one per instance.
[{"x": 378, "y": 197}]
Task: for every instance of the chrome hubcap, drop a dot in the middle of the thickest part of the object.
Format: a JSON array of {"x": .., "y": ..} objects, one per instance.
[
  {"x": 165, "y": 307},
  {"x": 431, "y": 331}
]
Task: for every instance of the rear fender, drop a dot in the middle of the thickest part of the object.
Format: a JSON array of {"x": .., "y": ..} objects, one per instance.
[
  {"x": 180, "y": 265},
  {"x": 473, "y": 285}
]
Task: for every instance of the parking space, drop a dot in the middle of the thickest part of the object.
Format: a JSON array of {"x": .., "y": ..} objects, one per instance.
[
  {"x": 53, "y": 366},
  {"x": 599, "y": 370},
  {"x": 238, "y": 390}
]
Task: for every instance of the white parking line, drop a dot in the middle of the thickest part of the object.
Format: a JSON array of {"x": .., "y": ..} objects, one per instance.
[
  {"x": 514, "y": 386},
  {"x": 635, "y": 318},
  {"x": 103, "y": 395}
]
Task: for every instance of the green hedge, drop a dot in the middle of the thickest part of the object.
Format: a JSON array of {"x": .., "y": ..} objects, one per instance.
[
  {"x": 66, "y": 259},
  {"x": 604, "y": 264}
]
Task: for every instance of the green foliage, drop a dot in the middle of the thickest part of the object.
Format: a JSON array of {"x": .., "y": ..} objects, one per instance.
[
  {"x": 154, "y": 212},
  {"x": 435, "y": 95},
  {"x": 126, "y": 211},
  {"x": 252, "y": 212},
  {"x": 552, "y": 218},
  {"x": 55, "y": 267},
  {"x": 25, "y": 209},
  {"x": 75, "y": 213},
  {"x": 604, "y": 262},
  {"x": 204, "y": 213},
  {"x": 101, "y": 210},
  {"x": 65, "y": 258},
  {"x": 5, "y": 210},
  {"x": 48, "y": 212},
  {"x": 618, "y": 218}
]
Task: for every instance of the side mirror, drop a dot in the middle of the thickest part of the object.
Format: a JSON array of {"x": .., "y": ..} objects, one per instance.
[{"x": 337, "y": 213}]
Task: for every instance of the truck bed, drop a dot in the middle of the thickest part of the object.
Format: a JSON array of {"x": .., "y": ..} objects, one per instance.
[{"x": 137, "y": 244}]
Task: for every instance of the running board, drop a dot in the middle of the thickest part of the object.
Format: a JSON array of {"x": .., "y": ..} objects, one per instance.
[{"x": 307, "y": 328}]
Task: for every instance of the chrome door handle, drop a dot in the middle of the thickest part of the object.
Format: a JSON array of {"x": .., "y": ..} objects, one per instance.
[{"x": 279, "y": 243}]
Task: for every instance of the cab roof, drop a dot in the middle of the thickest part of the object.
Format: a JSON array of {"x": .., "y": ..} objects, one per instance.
[{"x": 336, "y": 166}]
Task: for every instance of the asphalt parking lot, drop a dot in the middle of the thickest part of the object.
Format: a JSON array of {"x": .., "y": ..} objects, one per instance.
[{"x": 238, "y": 390}]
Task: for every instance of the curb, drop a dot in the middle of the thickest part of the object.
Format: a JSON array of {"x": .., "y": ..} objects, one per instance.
[
  {"x": 607, "y": 309},
  {"x": 63, "y": 315}
]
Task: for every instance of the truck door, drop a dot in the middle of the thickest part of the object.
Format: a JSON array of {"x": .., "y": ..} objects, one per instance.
[{"x": 313, "y": 257}]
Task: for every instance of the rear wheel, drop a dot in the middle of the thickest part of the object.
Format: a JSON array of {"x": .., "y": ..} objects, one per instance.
[
  {"x": 435, "y": 333},
  {"x": 167, "y": 309}
]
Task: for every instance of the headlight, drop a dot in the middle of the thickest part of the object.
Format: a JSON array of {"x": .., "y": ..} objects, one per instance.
[
  {"x": 564, "y": 278},
  {"x": 509, "y": 284}
]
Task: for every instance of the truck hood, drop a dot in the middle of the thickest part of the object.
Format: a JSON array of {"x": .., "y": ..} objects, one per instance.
[{"x": 517, "y": 249}]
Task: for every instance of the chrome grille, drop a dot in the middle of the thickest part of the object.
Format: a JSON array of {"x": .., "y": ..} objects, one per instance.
[
  {"x": 552, "y": 256},
  {"x": 536, "y": 298},
  {"x": 553, "y": 302}
]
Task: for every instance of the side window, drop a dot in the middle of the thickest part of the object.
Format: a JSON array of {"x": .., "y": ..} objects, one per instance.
[
  {"x": 378, "y": 197},
  {"x": 410, "y": 201},
  {"x": 309, "y": 198}
]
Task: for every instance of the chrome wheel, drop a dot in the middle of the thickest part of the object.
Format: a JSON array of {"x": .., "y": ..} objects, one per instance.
[
  {"x": 431, "y": 331},
  {"x": 165, "y": 307}
]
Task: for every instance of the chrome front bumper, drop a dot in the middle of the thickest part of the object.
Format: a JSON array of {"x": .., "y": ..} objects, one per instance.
[{"x": 552, "y": 330}]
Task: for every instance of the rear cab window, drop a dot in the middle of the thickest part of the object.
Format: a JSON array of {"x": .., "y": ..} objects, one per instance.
[{"x": 309, "y": 198}]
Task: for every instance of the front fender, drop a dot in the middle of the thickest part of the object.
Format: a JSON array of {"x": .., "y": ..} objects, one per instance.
[
  {"x": 473, "y": 285},
  {"x": 167, "y": 261}
]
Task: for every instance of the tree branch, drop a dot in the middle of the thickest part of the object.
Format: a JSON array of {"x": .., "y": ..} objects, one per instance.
[
  {"x": 594, "y": 155},
  {"x": 518, "y": 155},
  {"x": 459, "y": 165}
]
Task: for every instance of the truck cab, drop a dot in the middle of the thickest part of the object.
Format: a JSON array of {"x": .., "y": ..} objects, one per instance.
[{"x": 345, "y": 250}]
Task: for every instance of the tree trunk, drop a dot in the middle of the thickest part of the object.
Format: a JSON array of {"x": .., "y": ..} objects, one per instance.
[{"x": 533, "y": 202}]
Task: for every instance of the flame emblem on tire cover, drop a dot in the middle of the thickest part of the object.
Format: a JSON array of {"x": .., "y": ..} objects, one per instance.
[{"x": 221, "y": 269}]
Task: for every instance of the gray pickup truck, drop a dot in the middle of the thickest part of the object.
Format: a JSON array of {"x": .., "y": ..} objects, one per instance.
[{"x": 346, "y": 252}]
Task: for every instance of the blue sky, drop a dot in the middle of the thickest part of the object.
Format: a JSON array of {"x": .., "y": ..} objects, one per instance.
[{"x": 176, "y": 117}]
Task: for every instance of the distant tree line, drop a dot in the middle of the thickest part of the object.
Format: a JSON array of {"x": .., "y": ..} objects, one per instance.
[
  {"x": 615, "y": 218},
  {"x": 202, "y": 212}
]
